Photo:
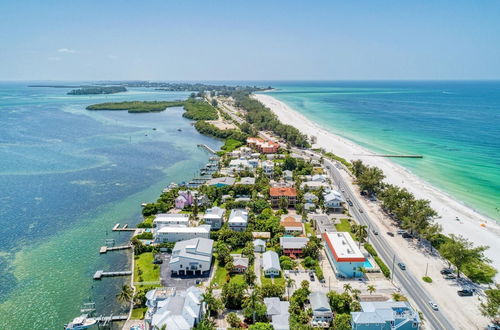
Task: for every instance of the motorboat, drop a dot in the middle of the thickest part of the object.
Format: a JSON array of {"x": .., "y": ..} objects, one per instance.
[{"x": 81, "y": 322}]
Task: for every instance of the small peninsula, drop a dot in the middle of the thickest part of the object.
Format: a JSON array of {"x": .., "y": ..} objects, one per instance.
[
  {"x": 136, "y": 106},
  {"x": 90, "y": 90}
]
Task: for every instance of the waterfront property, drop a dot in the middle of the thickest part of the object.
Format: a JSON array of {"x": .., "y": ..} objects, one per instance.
[
  {"x": 193, "y": 256},
  {"x": 238, "y": 165},
  {"x": 292, "y": 224},
  {"x": 175, "y": 234},
  {"x": 271, "y": 263},
  {"x": 344, "y": 254},
  {"x": 170, "y": 219},
  {"x": 259, "y": 245},
  {"x": 221, "y": 182},
  {"x": 180, "y": 311},
  {"x": 264, "y": 146},
  {"x": 238, "y": 219},
  {"x": 214, "y": 217},
  {"x": 293, "y": 246},
  {"x": 287, "y": 193},
  {"x": 277, "y": 313},
  {"x": 385, "y": 315},
  {"x": 333, "y": 201},
  {"x": 322, "y": 313}
]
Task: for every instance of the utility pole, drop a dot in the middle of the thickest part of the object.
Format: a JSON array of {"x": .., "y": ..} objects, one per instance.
[
  {"x": 393, "y": 264},
  {"x": 426, "y": 268}
]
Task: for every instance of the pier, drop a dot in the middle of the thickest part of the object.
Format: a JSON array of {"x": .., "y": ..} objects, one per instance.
[
  {"x": 124, "y": 228},
  {"x": 207, "y": 148},
  {"x": 105, "y": 249},
  {"x": 394, "y": 156},
  {"x": 100, "y": 274}
]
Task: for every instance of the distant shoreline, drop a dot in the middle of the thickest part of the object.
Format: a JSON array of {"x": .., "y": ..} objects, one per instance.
[{"x": 447, "y": 207}]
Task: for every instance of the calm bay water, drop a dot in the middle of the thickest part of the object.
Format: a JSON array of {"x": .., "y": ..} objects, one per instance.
[
  {"x": 454, "y": 125},
  {"x": 67, "y": 176}
]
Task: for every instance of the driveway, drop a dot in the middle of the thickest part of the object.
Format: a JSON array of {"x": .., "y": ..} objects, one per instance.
[{"x": 179, "y": 282}]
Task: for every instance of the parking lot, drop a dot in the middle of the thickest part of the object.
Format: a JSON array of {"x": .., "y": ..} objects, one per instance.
[
  {"x": 179, "y": 282},
  {"x": 323, "y": 223}
]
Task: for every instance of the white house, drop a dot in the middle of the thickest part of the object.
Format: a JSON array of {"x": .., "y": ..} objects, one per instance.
[
  {"x": 167, "y": 219},
  {"x": 288, "y": 175},
  {"x": 271, "y": 263},
  {"x": 214, "y": 217},
  {"x": 322, "y": 313},
  {"x": 314, "y": 185},
  {"x": 259, "y": 245},
  {"x": 175, "y": 234},
  {"x": 268, "y": 167},
  {"x": 310, "y": 198},
  {"x": 241, "y": 164},
  {"x": 277, "y": 313},
  {"x": 333, "y": 201},
  {"x": 192, "y": 256},
  {"x": 238, "y": 219},
  {"x": 180, "y": 310}
]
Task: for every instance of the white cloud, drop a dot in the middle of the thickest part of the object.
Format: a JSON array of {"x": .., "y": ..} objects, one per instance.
[{"x": 66, "y": 50}]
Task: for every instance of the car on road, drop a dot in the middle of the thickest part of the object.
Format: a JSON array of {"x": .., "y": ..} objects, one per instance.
[
  {"x": 446, "y": 271},
  {"x": 390, "y": 234},
  {"x": 433, "y": 305},
  {"x": 360, "y": 211},
  {"x": 465, "y": 292},
  {"x": 349, "y": 202},
  {"x": 374, "y": 232},
  {"x": 402, "y": 266}
]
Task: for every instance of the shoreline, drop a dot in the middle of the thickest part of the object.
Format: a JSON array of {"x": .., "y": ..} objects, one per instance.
[{"x": 447, "y": 207}]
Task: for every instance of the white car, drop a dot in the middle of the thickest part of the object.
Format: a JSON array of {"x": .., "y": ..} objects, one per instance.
[{"x": 433, "y": 305}]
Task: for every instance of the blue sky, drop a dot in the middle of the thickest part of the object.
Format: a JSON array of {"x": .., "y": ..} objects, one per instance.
[{"x": 249, "y": 40}]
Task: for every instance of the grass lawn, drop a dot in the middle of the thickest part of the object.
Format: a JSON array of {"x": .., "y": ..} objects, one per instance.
[
  {"x": 309, "y": 229},
  {"x": 239, "y": 278},
  {"x": 220, "y": 275},
  {"x": 344, "y": 225},
  {"x": 138, "y": 313},
  {"x": 231, "y": 144},
  {"x": 237, "y": 251},
  {"x": 267, "y": 280},
  {"x": 150, "y": 271}
]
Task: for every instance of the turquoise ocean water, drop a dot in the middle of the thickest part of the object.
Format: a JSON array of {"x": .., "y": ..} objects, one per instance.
[
  {"x": 67, "y": 175},
  {"x": 454, "y": 125}
]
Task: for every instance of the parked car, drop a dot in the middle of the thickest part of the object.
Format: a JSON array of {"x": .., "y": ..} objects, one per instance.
[
  {"x": 406, "y": 235},
  {"x": 433, "y": 305},
  {"x": 446, "y": 271},
  {"x": 311, "y": 277},
  {"x": 450, "y": 276},
  {"x": 401, "y": 231},
  {"x": 390, "y": 234},
  {"x": 198, "y": 282},
  {"x": 465, "y": 292},
  {"x": 402, "y": 266}
]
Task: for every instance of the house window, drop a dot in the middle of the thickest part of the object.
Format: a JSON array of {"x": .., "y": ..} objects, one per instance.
[{"x": 180, "y": 266}]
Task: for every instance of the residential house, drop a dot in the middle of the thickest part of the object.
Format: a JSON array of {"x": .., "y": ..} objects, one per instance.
[
  {"x": 287, "y": 193},
  {"x": 264, "y": 146},
  {"x": 193, "y": 256},
  {"x": 288, "y": 175},
  {"x": 314, "y": 185},
  {"x": 318, "y": 178},
  {"x": 271, "y": 264},
  {"x": 322, "y": 313},
  {"x": 181, "y": 310},
  {"x": 221, "y": 182},
  {"x": 238, "y": 165},
  {"x": 259, "y": 245},
  {"x": 292, "y": 224},
  {"x": 333, "y": 201},
  {"x": 247, "y": 181},
  {"x": 385, "y": 315},
  {"x": 344, "y": 254},
  {"x": 310, "y": 198},
  {"x": 175, "y": 234},
  {"x": 254, "y": 162},
  {"x": 309, "y": 206},
  {"x": 277, "y": 313},
  {"x": 170, "y": 219},
  {"x": 261, "y": 234},
  {"x": 268, "y": 167},
  {"x": 238, "y": 219},
  {"x": 214, "y": 217},
  {"x": 188, "y": 197},
  {"x": 240, "y": 264},
  {"x": 293, "y": 246}
]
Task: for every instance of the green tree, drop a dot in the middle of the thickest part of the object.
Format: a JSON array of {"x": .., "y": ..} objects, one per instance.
[
  {"x": 223, "y": 253},
  {"x": 358, "y": 168},
  {"x": 342, "y": 322},
  {"x": 260, "y": 326},
  {"x": 125, "y": 295},
  {"x": 213, "y": 305},
  {"x": 250, "y": 276},
  {"x": 491, "y": 307},
  {"x": 371, "y": 288},
  {"x": 459, "y": 251},
  {"x": 347, "y": 287},
  {"x": 371, "y": 179},
  {"x": 233, "y": 294},
  {"x": 283, "y": 203},
  {"x": 398, "y": 297},
  {"x": 233, "y": 320},
  {"x": 205, "y": 324}
]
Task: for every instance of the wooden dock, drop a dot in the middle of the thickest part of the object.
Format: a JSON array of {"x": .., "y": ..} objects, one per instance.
[
  {"x": 207, "y": 148},
  {"x": 124, "y": 228},
  {"x": 111, "y": 318},
  {"x": 100, "y": 274},
  {"x": 105, "y": 249}
]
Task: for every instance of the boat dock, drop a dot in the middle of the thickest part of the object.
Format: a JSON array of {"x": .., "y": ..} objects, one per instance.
[
  {"x": 394, "y": 156},
  {"x": 207, "y": 148},
  {"x": 100, "y": 274},
  {"x": 124, "y": 228},
  {"x": 111, "y": 318},
  {"x": 105, "y": 249}
]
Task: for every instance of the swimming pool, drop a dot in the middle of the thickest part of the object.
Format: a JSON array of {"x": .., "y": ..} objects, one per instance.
[{"x": 367, "y": 264}]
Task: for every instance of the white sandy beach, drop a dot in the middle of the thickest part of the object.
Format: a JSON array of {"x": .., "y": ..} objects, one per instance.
[{"x": 448, "y": 208}]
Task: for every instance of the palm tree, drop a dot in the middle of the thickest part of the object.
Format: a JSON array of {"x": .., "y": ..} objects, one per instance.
[
  {"x": 371, "y": 288},
  {"x": 356, "y": 293},
  {"x": 361, "y": 233},
  {"x": 347, "y": 287},
  {"x": 289, "y": 283},
  {"x": 398, "y": 297},
  {"x": 125, "y": 295}
]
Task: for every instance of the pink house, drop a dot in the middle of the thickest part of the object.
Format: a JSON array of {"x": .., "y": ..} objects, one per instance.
[{"x": 185, "y": 198}]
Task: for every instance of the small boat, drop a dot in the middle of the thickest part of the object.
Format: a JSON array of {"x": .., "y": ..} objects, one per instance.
[
  {"x": 144, "y": 204},
  {"x": 154, "y": 128},
  {"x": 180, "y": 130},
  {"x": 81, "y": 322}
]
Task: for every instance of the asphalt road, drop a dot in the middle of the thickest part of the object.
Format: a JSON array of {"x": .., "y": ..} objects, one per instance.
[{"x": 407, "y": 281}]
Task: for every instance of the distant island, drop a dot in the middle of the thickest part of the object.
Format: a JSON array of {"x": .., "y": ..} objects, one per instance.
[
  {"x": 137, "y": 106},
  {"x": 88, "y": 90}
]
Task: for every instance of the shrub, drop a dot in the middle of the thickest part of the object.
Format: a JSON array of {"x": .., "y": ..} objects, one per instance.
[
  {"x": 370, "y": 249},
  {"x": 383, "y": 267},
  {"x": 427, "y": 279},
  {"x": 145, "y": 235}
]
